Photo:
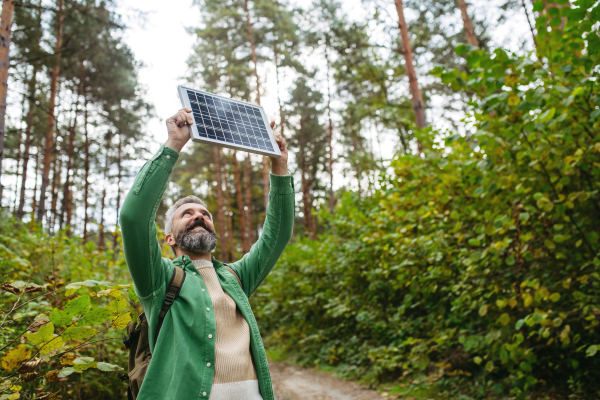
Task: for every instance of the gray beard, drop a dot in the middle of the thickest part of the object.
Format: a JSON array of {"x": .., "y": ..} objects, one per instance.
[{"x": 197, "y": 242}]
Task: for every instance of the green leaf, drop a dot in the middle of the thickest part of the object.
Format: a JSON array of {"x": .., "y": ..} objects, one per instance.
[
  {"x": 60, "y": 318},
  {"x": 538, "y": 6},
  {"x": 504, "y": 319},
  {"x": 566, "y": 68},
  {"x": 477, "y": 360},
  {"x": 524, "y": 216},
  {"x": 537, "y": 318},
  {"x": 46, "y": 332},
  {"x": 95, "y": 316},
  {"x": 132, "y": 296},
  {"x": 77, "y": 306},
  {"x": 555, "y": 297},
  {"x": 519, "y": 324},
  {"x": 53, "y": 344},
  {"x": 489, "y": 366},
  {"x": 525, "y": 366},
  {"x": 591, "y": 351},
  {"x": 483, "y": 310},
  {"x": 66, "y": 372},
  {"x": 78, "y": 333},
  {"x": 116, "y": 305},
  {"x": 106, "y": 367}
]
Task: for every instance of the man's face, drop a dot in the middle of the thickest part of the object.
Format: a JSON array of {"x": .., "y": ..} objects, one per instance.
[{"x": 193, "y": 229}]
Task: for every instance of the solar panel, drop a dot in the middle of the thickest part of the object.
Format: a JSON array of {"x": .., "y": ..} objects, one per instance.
[{"x": 229, "y": 123}]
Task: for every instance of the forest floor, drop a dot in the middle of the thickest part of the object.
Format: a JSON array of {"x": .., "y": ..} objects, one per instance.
[{"x": 292, "y": 382}]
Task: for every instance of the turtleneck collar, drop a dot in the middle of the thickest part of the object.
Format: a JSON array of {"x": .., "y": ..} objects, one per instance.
[{"x": 202, "y": 263}]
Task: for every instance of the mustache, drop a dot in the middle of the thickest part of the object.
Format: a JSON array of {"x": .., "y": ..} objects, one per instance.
[{"x": 198, "y": 222}]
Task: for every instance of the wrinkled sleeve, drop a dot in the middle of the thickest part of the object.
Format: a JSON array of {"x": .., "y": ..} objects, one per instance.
[
  {"x": 140, "y": 244},
  {"x": 277, "y": 232}
]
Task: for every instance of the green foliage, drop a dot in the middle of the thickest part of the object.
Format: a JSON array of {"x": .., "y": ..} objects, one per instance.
[
  {"x": 477, "y": 261},
  {"x": 61, "y": 329}
]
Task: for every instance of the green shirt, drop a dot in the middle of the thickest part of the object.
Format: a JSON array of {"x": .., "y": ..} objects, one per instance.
[{"x": 182, "y": 365}]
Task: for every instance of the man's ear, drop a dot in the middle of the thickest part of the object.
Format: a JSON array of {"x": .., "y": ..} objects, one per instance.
[{"x": 170, "y": 240}]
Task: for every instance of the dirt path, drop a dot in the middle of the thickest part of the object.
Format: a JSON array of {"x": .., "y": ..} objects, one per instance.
[{"x": 296, "y": 383}]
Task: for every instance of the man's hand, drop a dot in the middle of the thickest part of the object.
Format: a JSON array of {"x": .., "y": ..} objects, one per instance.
[
  {"x": 279, "y": 165},
  {"x": 179, "y": 129}
]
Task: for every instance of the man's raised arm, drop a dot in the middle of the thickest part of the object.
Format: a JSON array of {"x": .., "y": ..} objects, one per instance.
[
  {"x": 140, "y": 244},
  {"x": 277, "y": 230}
]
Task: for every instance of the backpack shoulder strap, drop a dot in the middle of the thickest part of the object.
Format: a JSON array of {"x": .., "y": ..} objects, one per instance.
[
  {"x": 232, "y": 272},
  {"x": 172, "y": 292}
]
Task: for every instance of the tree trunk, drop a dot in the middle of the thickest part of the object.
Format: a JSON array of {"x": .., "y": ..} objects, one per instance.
[
  {"x": 329, "y": 136},
  {"x": 35, "y": 183},
  {"x": 220, "y": 213},
  {"x": 240, "y": 203},
  {"x": 415, "y": 92},
  {"x": 103, "y": 200},
  {"x": 6, "y": 18},
  {"x": 51, "y": 105},
  {"x": 66, "y": 199},
  {"x": 305, "y": 193},
  {"x": 248, "y": 206},
  {"x": 86, "y": 184},
  {"x": 54, "y": 188},
  {"x": 468, "y": 24},
  {"x": 228, "y": 213},
  {"x": 265, "y": 162},
  {"x": 119, "y": 179},
  {"x": 28, "y": 139}
]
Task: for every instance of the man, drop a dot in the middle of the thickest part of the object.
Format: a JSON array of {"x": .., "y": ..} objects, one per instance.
[{"x": 209, "y": 345}]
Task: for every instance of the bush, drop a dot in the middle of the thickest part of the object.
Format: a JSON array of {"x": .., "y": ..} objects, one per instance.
[{"x": 478, "y": 260}]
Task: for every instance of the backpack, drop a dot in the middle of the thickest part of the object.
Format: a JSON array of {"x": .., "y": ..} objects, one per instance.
[{"x": 138, "y": 342}]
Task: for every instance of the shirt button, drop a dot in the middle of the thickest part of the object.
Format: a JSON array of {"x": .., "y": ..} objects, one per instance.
[
  {"x": 168, "y": 156},
  {"x": 203, "y": 290},
  {"x": 193, "y": 273},
  {"x": 210, "y": 336},
  {"x": 207, "y": 309},
  {"x": 208, "y": 364},
  {"x": 203, "y": 393}
]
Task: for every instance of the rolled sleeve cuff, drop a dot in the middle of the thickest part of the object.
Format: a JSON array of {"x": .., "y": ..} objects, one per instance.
[
  {"x": 166, "y": 158},
  {"x": 282, "y": 184}
]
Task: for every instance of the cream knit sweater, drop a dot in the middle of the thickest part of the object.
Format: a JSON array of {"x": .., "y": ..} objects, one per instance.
[{"x": 233, "y": 362}]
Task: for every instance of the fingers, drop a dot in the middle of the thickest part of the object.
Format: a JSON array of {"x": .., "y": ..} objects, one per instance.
[
  {"x": 182, "y": 117},
  {"x": 280, "y": 141},
  {"x": 272, "y": 124}
]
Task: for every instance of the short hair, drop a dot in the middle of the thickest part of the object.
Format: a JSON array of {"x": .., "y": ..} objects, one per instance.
[{"x": 171, "y": 211}]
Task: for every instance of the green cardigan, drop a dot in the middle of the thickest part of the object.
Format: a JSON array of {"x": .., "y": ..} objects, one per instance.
[{"x": 182, "y": 365}]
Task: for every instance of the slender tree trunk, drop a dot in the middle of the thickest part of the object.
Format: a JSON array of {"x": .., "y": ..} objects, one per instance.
[
  {"x": 228, "y": 222},
  {"x": 281, "y": 114},
  {"x": 248, "y": 199},
  {"x": 66, "y": 199},
  {"x": 35, "y": 183},
  {"x": 119, "y": 179},
  {"x": 265, "y": 162},
  {"x": 54, "y": 188},
  {"x": 417, "y": 99},
  {"x": 240, "y": 203},
  {"x": 51, "y": 105},
  {"x": 468, "y": 24},
  {"x": 529, "y": 22},
  {"x": 305, "y": 193},
  {"x": 6, "y": 18},
  {"x": 86, "y": 184},
  {"x": 28, "y": 139},
  {"x": 103, "y": 200},
  {"x": 329, "y": 136},
  {"x": 220, "y": 213}
]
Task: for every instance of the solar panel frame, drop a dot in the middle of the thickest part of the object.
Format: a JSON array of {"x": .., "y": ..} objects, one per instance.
[{"x": 215, "y": 123}]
